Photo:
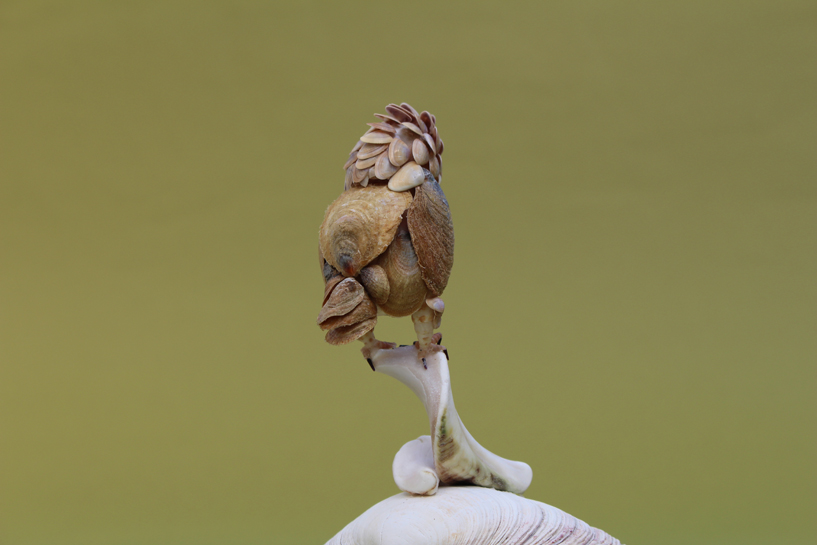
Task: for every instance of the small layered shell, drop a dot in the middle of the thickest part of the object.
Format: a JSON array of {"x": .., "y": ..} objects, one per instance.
[
  {"x": 402, "y": 136},
  {"x": 347, "y": 313},
  {"x": 359, "y": 225}
]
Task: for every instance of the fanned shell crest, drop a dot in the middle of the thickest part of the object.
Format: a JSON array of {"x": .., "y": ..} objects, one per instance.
[
  {"x": 432, "y": 231},
  {"x": 407, "y": 135},
  {"x": 359, "y": 225}
]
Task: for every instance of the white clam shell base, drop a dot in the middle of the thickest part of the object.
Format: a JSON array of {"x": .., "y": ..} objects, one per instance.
[
  {"x": 467, "y": 515},
  {"x": 455, "y": 454}
]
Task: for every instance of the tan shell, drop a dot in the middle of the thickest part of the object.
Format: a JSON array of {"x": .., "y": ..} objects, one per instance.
[
  {"x": 376, "y": 137},
  {"x": 383, "y": 168},
  {"x": 370, "y": 150},
  {"x": 410, "y": 175},
  {"x": 346, "y": 295},
  {"x": 434, "y": 166},
  {"x": 399, "y": 152},
  {"x": 374, "y": 279},
  {"x": 432, "y": 232},
  {"x": 407, "y": 291},
  {"x": 385, "y": 127},
  {"x": 419, "y": 151},
  {"x": 406, "y": 135},
  {"x": 388, "y": 119},
  {"x": 351, "y": 161},
  {"x": 348, "y": 179},
  {"x": 359, "y": 225},
  {"x": 429, "y": 140},
  {"x": 363, "y": 164},
  {"x": 358, "y": 175}
]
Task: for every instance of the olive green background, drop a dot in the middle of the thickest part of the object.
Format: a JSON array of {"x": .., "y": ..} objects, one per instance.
[{"x": 631, "y": 310}]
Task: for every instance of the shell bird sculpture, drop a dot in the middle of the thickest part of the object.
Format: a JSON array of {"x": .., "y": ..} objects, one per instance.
[{"x": 386, "y": 244}]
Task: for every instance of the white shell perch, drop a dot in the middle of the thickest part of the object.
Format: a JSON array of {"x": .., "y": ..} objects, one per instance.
[
  {"x": 467, "y": 515},
  {"x": 456, "y": 455}
]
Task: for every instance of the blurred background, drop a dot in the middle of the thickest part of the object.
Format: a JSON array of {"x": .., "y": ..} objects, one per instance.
[{"x": 631, "y": 310}]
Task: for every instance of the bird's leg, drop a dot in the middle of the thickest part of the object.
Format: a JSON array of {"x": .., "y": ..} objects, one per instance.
[
  {"x": 371, "y": 345},
  {"x": 425, "y": 320}
]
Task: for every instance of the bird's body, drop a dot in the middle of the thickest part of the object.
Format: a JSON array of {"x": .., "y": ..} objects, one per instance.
[{"x": 387, "y": 244}]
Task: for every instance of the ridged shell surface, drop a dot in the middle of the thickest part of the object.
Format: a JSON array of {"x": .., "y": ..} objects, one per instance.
[
  {"x": 466, "y": 515},
  {"x": 407, "y": 135},
  {"x": 431, "y": 228},
  {"x": 359, "y": 225},
  {"x": 407, "y": 290}
]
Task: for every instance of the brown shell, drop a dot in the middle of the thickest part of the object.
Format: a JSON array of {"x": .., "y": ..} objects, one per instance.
[
  {"x": 363, "y": 311},
  {"x": 330, "y": 285},
  {"x": 374, "y": 279},
  {"x": 349, "y": 333},
  {"x": 398, "y": 113},
  {"x": 359, "y": 225},
  {"x": 407, "y": 290},
  {"x": 345, "y": 296},
  {"x": 432, "y": 232}
]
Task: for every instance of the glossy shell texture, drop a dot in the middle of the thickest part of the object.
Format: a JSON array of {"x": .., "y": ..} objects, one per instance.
[
  {"x": 401, "y": 136},
  {"x": 466, "y": 515}
]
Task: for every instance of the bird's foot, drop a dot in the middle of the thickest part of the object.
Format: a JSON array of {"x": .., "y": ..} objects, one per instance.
[
  {"x": 430, "y": 349},
  {"x": 372, "y": 345}
]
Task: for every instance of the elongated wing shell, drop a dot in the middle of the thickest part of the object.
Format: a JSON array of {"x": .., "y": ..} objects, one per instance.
[{"x": 432, "y": 233}]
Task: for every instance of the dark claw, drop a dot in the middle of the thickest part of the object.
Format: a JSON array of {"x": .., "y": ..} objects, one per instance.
[
  {"x": 403, "y": 345},
  {"x": 424, "y": 364},
  {"x": 446, "y": 354},
  {"x": 441, "y": 339},
  {"x": 370, "y": 363}
]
